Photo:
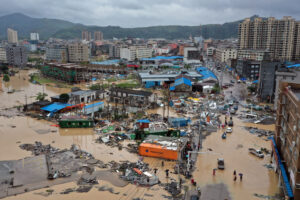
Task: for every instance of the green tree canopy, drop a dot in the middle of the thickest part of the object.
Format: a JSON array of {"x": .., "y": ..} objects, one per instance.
[
  {"x": 6, "y": 78},
  {"x": 64, "y": 97},
  {"x": 41, "y": 96}
]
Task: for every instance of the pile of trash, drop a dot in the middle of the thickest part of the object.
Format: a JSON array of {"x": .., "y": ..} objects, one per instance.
[
  {"x": 172, "y": 188},
  {"x": 260, "y": 132},
  {"x": 87, "y": 179},
  {"x": 137, "y": 173},
  {"x": 80, "y": 153},
  {"x": 38, "y": 148},
  {"x": 112, "y": 140}
]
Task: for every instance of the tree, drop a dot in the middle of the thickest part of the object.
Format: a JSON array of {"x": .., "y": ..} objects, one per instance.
[
  {"x": 64, "y": 97},
  {"x": 41, "y": 96},
  {"x": 6, "y": 78},
  {"x": 216, "y": 88}
]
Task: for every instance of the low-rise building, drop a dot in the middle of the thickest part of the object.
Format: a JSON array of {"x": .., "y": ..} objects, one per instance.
[
  {"x": 82, "y": 96},
  {"x": 133, "y": 98}
]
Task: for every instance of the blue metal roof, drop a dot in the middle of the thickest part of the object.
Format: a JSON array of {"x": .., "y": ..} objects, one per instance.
[
  {"x": 256, "y": 81},
  {"x": 181, "y": 81},
  {"x": 143, "y": 121},
  {"x": 286, "y": 182},
  {"x": 292, "y": 66},
  {"x": 206, "y": 73},
  {"x": 163, "y": 58},
  {"x": 106, "y": 62},
  {"x": 93, "y": 105},
  {"x": 55, "y": 107}
]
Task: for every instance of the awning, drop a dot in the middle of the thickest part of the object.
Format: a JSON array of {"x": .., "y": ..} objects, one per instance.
[
  {"x": 143, "y": 121},
  {"x": 55, "y": 107},
  {"x": 287, "y": 186}
]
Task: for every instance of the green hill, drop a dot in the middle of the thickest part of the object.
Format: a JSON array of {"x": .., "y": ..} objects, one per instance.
[{"x": 68, "y": 30}]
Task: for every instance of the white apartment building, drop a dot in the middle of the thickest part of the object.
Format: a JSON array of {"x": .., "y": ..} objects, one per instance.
[
  {"x": 135, "y": 52},
  {"x": 224, "y": 54},
  {"x": 34, "y": 36},
  {"x": 210, "y": 51}
]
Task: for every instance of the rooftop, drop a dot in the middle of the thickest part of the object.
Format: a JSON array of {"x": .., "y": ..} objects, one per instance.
[{"x": 136, "y": 92}]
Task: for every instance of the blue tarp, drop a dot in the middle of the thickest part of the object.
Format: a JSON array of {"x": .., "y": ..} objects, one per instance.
[
  {"x": 181, "y": 81},
  {"x": 179, "y": 122},
  {"x": 286, "y": 182},
  {"x": 163, "y": 58},
  {"x": 106, "y": 62},
  {"x": 94, "y": 79},
  {"x": 243, "y": 79},
  {"x": 256, "y": 81},
  {"x": 206, "y": 73},
  {"x": 150, "y": 84},
  {"x": 55, "y": 107},
  {"x": 143, "y": 121},
  {"x": 93, "y": 105},
  {"x": 292, "y": 66}
]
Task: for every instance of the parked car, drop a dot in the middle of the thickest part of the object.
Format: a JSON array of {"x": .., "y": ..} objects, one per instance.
[
  {"x": 229, "y": 130},
  {"x": 221, "y": 163},
  {"x": 230, "y": 123},
  {"x": 239, "y": 81},
  {"x": 256, "y": 152},
  {"x": 232, "y": 111},
  {"x": 236, "y": 107},
  {"x": 232, "y": 81},
  {"x": 230, "y": 103}
]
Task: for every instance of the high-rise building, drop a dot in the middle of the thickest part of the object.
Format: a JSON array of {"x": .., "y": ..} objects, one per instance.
[
  {"x": 98, "y": 35},
  {"x": 34, "y": 36},
  {"x": 85, "y": 35},
  {"x": 12, "y": 36},
  {"x": 286, "y": 143},
  {"x": 281, "y": 37},
  {"x": 78, "y": 52},
  {"x": 16, "y": 55}
]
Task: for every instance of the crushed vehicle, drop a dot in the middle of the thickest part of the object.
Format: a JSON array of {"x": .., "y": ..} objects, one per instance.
[{"x": 256, "y": 152}]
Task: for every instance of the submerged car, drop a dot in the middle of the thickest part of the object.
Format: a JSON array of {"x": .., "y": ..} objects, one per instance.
[
  {"x": 257, "y": 153},
  {"x": 229, "y": 130},
  {"x": 221, "y": 163}
]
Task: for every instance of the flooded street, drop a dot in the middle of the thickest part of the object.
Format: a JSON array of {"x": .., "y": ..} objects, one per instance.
[{"x": 20, "y": 129}]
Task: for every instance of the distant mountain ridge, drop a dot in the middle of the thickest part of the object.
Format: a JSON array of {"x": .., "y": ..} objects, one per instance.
[{"x": 67, "y": 30}]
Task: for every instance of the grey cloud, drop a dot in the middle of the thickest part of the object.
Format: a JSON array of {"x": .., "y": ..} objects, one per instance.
[{"x": 137, "y": 13}]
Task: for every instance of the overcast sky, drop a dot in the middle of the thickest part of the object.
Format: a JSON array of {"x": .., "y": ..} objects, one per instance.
[{"x": 139, "y": 13}]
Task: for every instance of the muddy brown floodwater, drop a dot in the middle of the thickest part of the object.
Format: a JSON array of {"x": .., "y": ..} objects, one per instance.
[{"x": 17, "y": 130}]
